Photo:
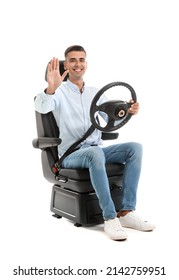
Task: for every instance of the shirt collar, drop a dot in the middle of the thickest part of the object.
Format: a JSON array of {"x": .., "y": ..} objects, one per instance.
[{"x": 74, "y": 87}]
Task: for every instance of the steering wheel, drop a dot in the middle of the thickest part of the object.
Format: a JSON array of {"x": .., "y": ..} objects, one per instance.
[{"x": 116, "y": 110}]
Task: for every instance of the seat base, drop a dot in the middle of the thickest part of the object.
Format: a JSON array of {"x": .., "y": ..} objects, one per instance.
[{"x": 82, "y": 208}]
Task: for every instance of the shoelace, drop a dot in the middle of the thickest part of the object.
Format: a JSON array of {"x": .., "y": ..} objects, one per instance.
[{"x": 137, "y": 218}]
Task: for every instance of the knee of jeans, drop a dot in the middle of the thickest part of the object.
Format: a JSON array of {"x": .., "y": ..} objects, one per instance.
[{"x": 137, "y": 148}]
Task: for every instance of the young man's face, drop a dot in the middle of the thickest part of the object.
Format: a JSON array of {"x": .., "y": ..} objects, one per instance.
[{"x": 76, "y": 64}]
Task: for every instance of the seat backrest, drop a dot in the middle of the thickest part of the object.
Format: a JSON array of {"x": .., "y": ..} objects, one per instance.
[{"x": 47, "y": 127}]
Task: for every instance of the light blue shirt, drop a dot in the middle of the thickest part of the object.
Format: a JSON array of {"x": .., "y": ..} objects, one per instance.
[{"x": 71, "y": 110}]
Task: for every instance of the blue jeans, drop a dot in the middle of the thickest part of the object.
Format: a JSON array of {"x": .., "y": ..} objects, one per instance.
[{"x": 95, "y": 158}]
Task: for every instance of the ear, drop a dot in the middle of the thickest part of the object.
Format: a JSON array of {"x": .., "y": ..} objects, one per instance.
[{"x": 64, "y": 63}]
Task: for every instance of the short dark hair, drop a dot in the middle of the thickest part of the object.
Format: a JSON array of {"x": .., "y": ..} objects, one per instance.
[{"x": 73, "y": 48}]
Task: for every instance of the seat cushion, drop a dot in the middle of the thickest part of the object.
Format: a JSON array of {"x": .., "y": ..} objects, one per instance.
[{"x": 83, "y": 174}]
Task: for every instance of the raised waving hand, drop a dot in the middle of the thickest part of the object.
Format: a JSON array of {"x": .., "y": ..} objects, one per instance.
[{"x": 54, "y": 78}]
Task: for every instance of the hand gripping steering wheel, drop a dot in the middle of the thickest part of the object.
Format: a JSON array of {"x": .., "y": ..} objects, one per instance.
[{"x": 116, "y": 110}]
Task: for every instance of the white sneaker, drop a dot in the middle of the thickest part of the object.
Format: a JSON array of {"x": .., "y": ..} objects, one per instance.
[
  {"x": 114, "y": 229},
  {"x": 132, "y": 220}
]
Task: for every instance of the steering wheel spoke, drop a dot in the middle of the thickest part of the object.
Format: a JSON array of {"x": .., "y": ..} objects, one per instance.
[{"x": 110, "y": 125}]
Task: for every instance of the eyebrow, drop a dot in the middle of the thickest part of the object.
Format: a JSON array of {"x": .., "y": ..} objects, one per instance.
[{"x": 73, "y": 58}]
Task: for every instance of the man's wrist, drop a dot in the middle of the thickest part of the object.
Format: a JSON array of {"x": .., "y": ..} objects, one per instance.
[{"x": 49, "y": 91}]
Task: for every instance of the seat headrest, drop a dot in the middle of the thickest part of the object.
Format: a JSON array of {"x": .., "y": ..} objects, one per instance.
[{"x": 61, "y": 69}]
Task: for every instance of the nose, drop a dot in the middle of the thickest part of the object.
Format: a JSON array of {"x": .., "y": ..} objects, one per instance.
[{"x": 77, "y": 62}]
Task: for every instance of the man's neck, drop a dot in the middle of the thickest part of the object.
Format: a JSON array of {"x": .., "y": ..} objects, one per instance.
[{"x": 79, "y": 83}]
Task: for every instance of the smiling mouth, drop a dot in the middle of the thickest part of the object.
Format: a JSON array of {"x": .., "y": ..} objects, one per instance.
[{"x": 77, "y": 70}]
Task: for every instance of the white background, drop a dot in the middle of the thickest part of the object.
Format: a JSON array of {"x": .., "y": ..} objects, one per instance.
[{"x": 130, "y": 41}]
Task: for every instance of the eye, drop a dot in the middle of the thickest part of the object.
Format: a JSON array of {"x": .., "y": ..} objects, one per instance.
[{"x": 72, "y": 60}]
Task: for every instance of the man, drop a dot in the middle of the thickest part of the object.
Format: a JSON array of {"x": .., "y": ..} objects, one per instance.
[{"x": 70, "y": 103}]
